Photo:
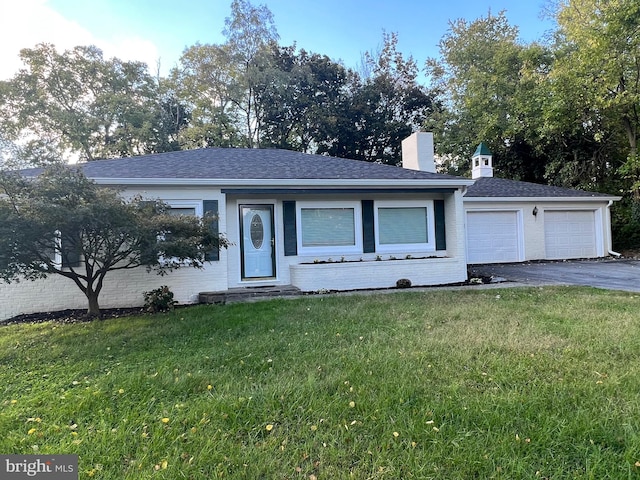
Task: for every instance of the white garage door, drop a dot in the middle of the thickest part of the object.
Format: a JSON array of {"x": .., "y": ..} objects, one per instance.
[
  {"x": 570, "y": 234},
  {"x": 493, "y": 237}
]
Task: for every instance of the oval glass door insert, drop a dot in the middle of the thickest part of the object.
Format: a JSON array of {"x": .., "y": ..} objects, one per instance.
[{"x": 257, "y": 231}]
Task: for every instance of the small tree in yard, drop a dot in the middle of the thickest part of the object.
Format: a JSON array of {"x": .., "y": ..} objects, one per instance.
[{"x": 62, "y": 223}]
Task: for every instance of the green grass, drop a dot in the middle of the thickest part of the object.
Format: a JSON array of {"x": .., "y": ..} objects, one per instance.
[{"x": 509, "y": 383}]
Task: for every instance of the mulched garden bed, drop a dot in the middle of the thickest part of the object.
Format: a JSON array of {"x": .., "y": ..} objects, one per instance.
[{"x": 73, "y": 316}]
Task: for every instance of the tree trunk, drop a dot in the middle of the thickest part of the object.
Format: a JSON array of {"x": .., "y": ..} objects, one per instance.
[{"x": 94, "y": 308}]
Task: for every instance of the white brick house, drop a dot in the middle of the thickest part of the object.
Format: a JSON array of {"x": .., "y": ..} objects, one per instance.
[
  {"x": 311, "y": 221},
  {"x": 325, "y": 223}
]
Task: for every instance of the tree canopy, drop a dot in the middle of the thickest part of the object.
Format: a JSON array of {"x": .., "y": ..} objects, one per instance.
[
  {"x": 78, "y": 104},
  {"x": 487, "y": 82}
]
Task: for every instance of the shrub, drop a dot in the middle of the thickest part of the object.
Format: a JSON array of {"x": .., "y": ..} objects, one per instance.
[
  {"x": 403, "y": 283},
  {"x": 159, "y": 300}
]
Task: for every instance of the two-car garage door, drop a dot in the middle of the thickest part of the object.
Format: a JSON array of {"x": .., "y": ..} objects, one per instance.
[{"x": 498, "y": 236}]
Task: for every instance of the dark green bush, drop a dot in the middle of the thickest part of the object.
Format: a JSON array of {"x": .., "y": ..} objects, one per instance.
[
  {"x": 626, "y": 237},
  {"x": 159, "y": 300}
]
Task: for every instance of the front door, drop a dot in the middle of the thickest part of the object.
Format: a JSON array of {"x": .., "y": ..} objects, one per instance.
[{"x": 258, "y": 242}]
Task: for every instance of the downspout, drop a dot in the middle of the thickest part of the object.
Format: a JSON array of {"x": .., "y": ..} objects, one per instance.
[{"x": 609, "y": 241}]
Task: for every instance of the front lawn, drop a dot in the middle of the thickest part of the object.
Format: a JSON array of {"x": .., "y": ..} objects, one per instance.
[{"x": 508, "y": 383}]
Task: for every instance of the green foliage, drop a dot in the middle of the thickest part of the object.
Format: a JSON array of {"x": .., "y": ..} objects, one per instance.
[
  {"x": 592, "y": 91},
  {"x": 220, "y": 84},
  {"x": 301, "y": 98},
  {"x": 251, "y": 92},
  {"x": 249, "y": 29},
  {"x": 625, "y": 224},
  {"x": 508, "y": 383},
  {"x": 81, "y": 102},
  {"x": 380, "y": 108},
  {"x": 489, "y": 83},
  {"x": 60, "y": 222},
  {"x": 159, "y": 300},
  {"x": 203, "y": 82},
  {"x": 563, "y": 113}
]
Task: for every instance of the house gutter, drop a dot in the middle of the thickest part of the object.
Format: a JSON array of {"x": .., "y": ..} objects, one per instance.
[
  {"x": 271, "y": 183},
  {"x": 610, "y": 241},
  {"x": 541, "y": 199}
]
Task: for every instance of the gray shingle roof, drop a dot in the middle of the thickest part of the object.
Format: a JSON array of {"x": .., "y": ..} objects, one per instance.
[
  {"x": 492, "y": 187},
  {"x": 239, "y": 163}
]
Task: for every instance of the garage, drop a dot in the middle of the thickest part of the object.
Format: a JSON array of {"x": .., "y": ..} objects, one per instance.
[
  {"x": 493, "y": 236},
  {"x": 514, "y": 221},
  {"x": 570, "y": 234}
]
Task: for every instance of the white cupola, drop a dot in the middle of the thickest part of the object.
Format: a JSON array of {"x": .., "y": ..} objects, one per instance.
[{"x": 482, "y": 162}]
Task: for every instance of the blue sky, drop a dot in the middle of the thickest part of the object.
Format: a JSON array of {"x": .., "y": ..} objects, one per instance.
[{"x": 149, "y": 30}]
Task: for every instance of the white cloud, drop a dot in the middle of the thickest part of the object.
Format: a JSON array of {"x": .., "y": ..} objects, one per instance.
[
  {"x": 132, "y": 48},
  {"x": 29, "y": 22}
]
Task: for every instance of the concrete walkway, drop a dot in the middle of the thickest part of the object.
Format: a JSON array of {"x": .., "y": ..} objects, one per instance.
[{"x": 613, "y": 274}]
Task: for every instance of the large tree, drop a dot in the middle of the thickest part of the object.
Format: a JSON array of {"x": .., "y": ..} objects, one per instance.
[
  {"x": 249, "y": 30},
  {"x": 61, "y": 223},
  {"x": 379, "y": 108},
  {"x": 221, "y": 83},
  {"x": 81, "y": 105},
  {"x": 595, "y": 83},
  {"x": 301, "y": 98},
  {"x": 487, "y": 80},
  {"x": 204, "y": 82}
]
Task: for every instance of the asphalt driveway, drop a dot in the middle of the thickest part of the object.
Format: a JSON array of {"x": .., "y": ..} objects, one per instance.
[{"x": 618, "y": 274}]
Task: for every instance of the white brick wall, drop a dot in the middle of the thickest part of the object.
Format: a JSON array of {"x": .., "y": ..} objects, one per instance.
[
  {"x": 122, "y": 288},
  {"x": 377, "y": 274},
  {"x": 125, "y": 288}
]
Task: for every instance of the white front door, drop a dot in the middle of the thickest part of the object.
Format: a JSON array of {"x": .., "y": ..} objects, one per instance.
[{"x": 258, "y": 245}]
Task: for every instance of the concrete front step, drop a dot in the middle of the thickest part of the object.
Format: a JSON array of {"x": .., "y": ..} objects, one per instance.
[{"x": 244, "y": 294}]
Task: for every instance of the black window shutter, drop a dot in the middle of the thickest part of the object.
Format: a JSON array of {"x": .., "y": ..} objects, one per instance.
[
  {"x": 441, "y": 234},
  {"x": 210, "y": 210},
  {"x": 290, "y": 232},
  {"x": 368, "y": 230}
]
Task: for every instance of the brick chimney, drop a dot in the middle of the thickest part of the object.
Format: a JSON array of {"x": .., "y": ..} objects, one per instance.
[{"x": 417, "y": 152}]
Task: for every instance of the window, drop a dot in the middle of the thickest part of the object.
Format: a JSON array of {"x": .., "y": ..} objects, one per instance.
[
  {"x": 334, "y": 228},
  {"x": 177, "y": 211},
  {"x": 184, "y": 207},
  {"x": 327, "y": 227},
  {"x": 400, "y": 225},
  {"x": 178, "y": 208},
  {"x": 63, "y": 253},
  {"x": 404, "y": 226},
  {"x": 54, "y": 252}
]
